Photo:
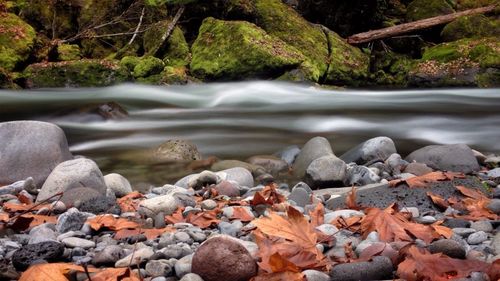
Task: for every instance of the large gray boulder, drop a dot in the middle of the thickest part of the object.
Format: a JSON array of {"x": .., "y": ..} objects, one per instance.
[
  {"x": 30, "y": 149},
  {"x": 450, "y": 157},
  {"x": 71, "y": 174},
  {"x": 379, "y": 148},
  {"x": 326, "y": 171},
  {"x": 313, "y": 149}
]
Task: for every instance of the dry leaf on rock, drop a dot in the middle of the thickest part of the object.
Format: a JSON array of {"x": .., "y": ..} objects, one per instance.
[
  {"x": 280, "y": 276},
  {"x": 115, "y": 274},
  {"x": 130, "y": 202},
  {"x": 203, "y": 219},
  {"x": 421, "y": 265},
  {"x": 392, "y": 225},
  {"x": 317, "y": 215},
  {"x": 438, "y": 200},
  {"x": 4, "y": 217},
  {"x": 12, "y": 207},
  {"x": 241, "y": 213},
  {"x": 427, "y": 179},
  {"x": 350, "y": 200},
  {"x": 28, "y": 221},
  {"x": 269, "y": 196},
  {"x": 111, "y": 223},
  {"x": 176, "y": 216},
  {"x": 442, "y": 230},
  {"x": 49, "y": 272},
  {"x": 150, "y": 233},
  {"x": 476, "y": 204}
]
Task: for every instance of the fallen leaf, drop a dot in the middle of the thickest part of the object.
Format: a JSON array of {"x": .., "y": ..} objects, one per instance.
[
  {"x": 24, "y": 199},
  {"x": 470, "y": 192},
  {"x": 269, "y": 196},
  {"x": 115, "y": 274},
  {"x": 241, "y": 213},
  {"x": 394, "y": 226},
  {"x": 476, "y": 205},
  {"x": 130, "y": 202},
  {"x": 28, "y": 221},
  {"x": 442, "y": 230},
  {"x": 12, "y": 207},
  {"x": 176, "y": 216},
  {"x": 111, "y": 223},
  {"x": 421, "y": 265},
  {"x": 150, "y": 233},
  {"x": 425, "y": 180},
  {"x": 203, "y": 219},
  {"x": 49, "y": 272},
  {"x": 280, "y": 276},
  {"x": 438, "y": 200},
  {"x": 4, "y": 217},
  {"x": 350, "y": 200},
  {"x": 317, "y": 215}
]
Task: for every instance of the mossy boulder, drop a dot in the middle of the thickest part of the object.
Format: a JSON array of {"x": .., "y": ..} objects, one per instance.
[
  {"x": 422, "y": 9},
  {"x": 81, "y": 73},
  {"x": 6, "y": 81},
  {"x": 228, "y": 50},
  {"x": 57, "y": 19},
  {"x": 68, "y": 52},
  {"x": 471, "y": 4},
  {"x": 466, "y": 62},
  {"x": 175, "y": 52},
  {"x": 347, "y": 64},
  {"x": 390, "y": 69},
  {"x": 16, "y": 41},
  {"x": 281, "y": 21},
  {"x": 148, "y": 66},
  {"x": 470, "y": 26}
]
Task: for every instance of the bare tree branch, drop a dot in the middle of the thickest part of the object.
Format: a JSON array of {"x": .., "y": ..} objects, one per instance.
[{"x": 138, "y": 26}]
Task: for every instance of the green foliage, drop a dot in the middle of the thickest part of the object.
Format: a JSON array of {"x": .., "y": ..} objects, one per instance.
[
  {"x": 68, "y": 52},
  {"x": 16, "y": 41},
  {"x": 176, "y": 52}
]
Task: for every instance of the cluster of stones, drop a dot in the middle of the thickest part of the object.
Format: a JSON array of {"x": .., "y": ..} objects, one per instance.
[{"x": 36, "y": 163}]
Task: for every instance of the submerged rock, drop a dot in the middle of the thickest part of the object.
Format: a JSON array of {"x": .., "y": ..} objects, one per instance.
[
  {"x": 216, "y": 55},
  {"x": 175, "y": 150}
]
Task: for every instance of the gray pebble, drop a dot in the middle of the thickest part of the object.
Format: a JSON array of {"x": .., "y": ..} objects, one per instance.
[
  {"x": 482, "y": 226},
  {"x": 477, "y": 238}
]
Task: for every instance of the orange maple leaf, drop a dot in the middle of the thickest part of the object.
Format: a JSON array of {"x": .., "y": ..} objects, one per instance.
[
  {"x": 350, "y": 200},
  {"x": 425, "y": 180},
  {"x": 421, "y": 265},
  {"x": 150, "y": 233},
  {"x": 203, "y": 219},
  {"x": 269, "y": 196},
  {"x": 438, "y": 200},
  {"x": 130, "y": 202},
  {"x": 50, "y": 272},
  {"x": 476, "y": 204},
  {"x": 241, "y": 213},
  {"x": 392, "y": 225},
  {"x": 280, "y": 276},
  {"x": 12, "y": 207},
  {"x": 111, "y": 223},
  {"x": 116, "y": 274}
]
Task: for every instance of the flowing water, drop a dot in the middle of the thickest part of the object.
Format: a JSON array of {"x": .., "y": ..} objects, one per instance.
[{"x": 237, "y": 120}]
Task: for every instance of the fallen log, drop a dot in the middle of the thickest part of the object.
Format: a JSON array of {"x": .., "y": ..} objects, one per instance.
[{"x": 412, "y": 26}]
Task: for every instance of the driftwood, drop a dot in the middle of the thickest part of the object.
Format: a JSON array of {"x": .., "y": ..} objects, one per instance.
[{"x": 412, "y": 26}]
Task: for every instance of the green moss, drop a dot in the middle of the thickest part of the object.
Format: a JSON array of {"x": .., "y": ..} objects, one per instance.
[
  {"x": 67, "y": 52},
  {"x": 486, "y": 55},
  {"x": 422, "y": 9},
  {"x": 281, "y": 21},
  {"x": 347, "y": 64},
  {"x": 55, "y": 18},
  {"x": 81, "y": 73},
  {"x": 485, "y": 51},
  {"x": 442, "y": 53},
  {"x": 129, "y": 62},
  {"x": 489, "y": 79},
  {"x": 176, "y": 51},
  {"x": 148, "y": 66},
  {"x": 470, "y": 26},
  {"x": 174, "y": 75},
  {"x": 239, "y": 50},
  {"x": 471, "y": 4},
  {"x": 16, "y": 40}
]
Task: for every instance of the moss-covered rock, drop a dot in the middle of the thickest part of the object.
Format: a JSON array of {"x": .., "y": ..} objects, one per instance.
[
  {"x": 348, "y": 65},
  {"x": 471, "y": 4},
  {"x": 281, "y": 21},
  {"x": 129, "y": 62},
  {"x": 229, "y": 50},
  {"x": 81, "y": 73},
  {"x": 470, "y": 26},
  {"x": 390, "y": 69},
  {"x": 175, "y": 52},
  {"x": 68, "y": 52},
  {"x": 6, "y": 81},
  {"x": 148, "y": 66},
  {"x": 422, "y": 9},
  {"x": 466, "y": 62},
  {"x": 16, "y": 41},
  {"x": 57, "y": 19}
]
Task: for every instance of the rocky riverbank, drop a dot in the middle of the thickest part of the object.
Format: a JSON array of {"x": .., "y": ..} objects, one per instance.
[
  {"x": 99, "y": 43},
  {"x": 437, "y": 207}
]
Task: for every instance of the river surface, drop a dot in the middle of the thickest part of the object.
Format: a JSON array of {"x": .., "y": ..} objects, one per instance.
[{"x": 237, "y": 120}]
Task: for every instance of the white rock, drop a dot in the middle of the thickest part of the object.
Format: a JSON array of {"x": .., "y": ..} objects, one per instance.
[{"x": 118, "y": 183}]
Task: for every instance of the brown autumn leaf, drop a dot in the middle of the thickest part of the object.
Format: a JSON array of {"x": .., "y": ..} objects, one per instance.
[
  {"x": 203, "y": 219},
  {"x": 176, "y": 216},
  {"x": 24, "y": 199},
  {"x": 269, "y": 196},
  {"x": 425, "y": 180},
  {"x": 12, "y": 207},
  {"x": 4, "y": 217},
  {"x": 241, "y": 213},
  {"x": 394, "y": 226},
  {"x": 130, "y": 202},
  {"x": 280, "y": 276},
  {"x": 421, "y": 265},
  {"x": 150, "y": 233},
  {"x": 442, "y": 230},
  {"x": 28, "y": 221},
  {"x": 352, "y": 224},
  {"x": 438, "y": 200},
  {"x": 476, "y": 205},
  {"x": 350, "y": 200},
  {"x": 49, "y": 272},
  {"x": 115, "y": 274},
  {"x": 111, "y": 223},
  {"x": 317, "y": 215}
]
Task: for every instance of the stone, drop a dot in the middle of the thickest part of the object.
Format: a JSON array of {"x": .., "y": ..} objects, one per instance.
[
  {"x": 427, "y": 220},
  {"x": 415, "y": 213},
  {"x": 494, "y": 206},
  {"x": 99, "y": 205},
  {"x": 315, "y": 148},
  {"x": 452, "y": 157},
  {"x": 315, "y": 275},
  {"x": 183, "y": 237},
  {"x": 375, "y": 149},
  {"x": 184, "y": 266},
  {"x": 108, "y": 256},
  {"x": 477, "y": 238},
  {"x": 167, "y": 203},
  {"x": 71, "y": 220},
  {"x": 455, "y": 222},
  {"x": 49, "y": 251},
  {"x": 75, "y": 242},
  {"x": 242, "y": 176},
  {"x": 71, "y": 174},
  {"x": 272, "y": 164},
  {"x": 42, "y": 233},
  {"x": 417, "y": 169},
  {"x": 230, "y": 229},
  {"x": 329, "y": 217},
  {"x": 494, "y": 173},
  {"x": 300, "y": 196},
  {"x": 288, "y": 154},
  {"x": 227, "y": 188},
  {"x": 137, "y": 257},
  {"x": 395, "y": 163},
  {"x": 118, "y": 183},
  {"x": 451, "y": 248},
  {"x": 208, "y": 204},
  {"x": 257, "y": 55},
  {"x": 463, "y": 232},
  {"x": 174, "y": 151},
  {"x": 223, "y": 256},
  {"x": 202, "y": 180},
  {"x": 380, "y": 268},
  {"x": 485, "y": 226},
  {"x": 31, "y": 149},
  {"x": 327, "y": 229},
  {"x": 79, "y": 195},
  {"x": 359, "y": 176},
  {"x": 468, "y": 27},
  {"x": 496, "y": 243},
  {"x": 325, "y": 171},
  {"x": 155, "y": 268},
  {"x": 191, "y": 277}
]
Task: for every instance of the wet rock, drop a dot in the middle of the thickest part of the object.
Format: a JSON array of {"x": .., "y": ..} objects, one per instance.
[
  {"x": 223, "y": 256},
  {"x": 27, "y": 255},
  {"x": 35, "y": 149},
  {"x": 315, "y": 148},
  {"x": 137, "y": 257},
  {"x": 454, "y": 157},
  {"x": 380, "y": 268},
  {"x": 15, "y": 52},
  {"x": 326, "y": 171},
  {"x": 71, "y": 174},
  {"x": 360, "y": 175},
  {"x": 272, "y": 164},
  {"x": 448, "y": 247},
  {"x": 108, "y": 256},
  {"x": 75, "y": 242},
  {"x": 376, "y": 149},
  {"x": 175, "y": 150},
  {"x": 208, "y": 204},
  {"x": 454, "y": 222},
  {"x": 227, "y": 188},
  {"x": 99, "y": 205},
  {"x": 241, "y": 176},
  {"x": 477, "y": 238},
  {"x": 118, "y": 183},
  {"x": 156, "y": 268},
  {"x": 183, "y": 266}
]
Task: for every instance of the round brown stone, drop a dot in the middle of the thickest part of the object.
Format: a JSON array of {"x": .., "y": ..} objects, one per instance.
[{"x": 223, "y": 258}]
